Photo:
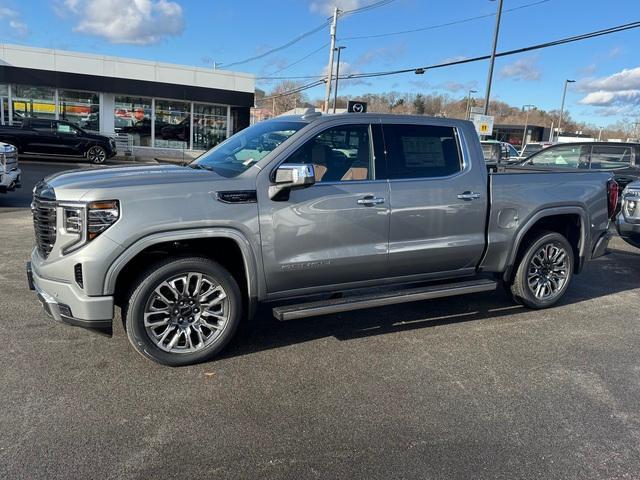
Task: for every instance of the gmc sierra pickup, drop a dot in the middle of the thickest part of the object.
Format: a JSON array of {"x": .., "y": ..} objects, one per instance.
[
  {"x": 57, "y": 137},
  {"x": 314, "y": 210}
]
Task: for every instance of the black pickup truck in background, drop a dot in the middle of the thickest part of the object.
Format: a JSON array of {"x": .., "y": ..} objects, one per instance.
[{"x": 59, "y": 138}]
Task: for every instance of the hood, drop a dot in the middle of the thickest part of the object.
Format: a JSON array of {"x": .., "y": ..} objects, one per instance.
[{"x": 76, "y": 183}]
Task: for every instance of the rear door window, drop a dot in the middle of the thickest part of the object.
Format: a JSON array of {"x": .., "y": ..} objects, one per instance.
[
  {"x": 608, "y": 157},
  {"x": 42, "y": 126},
  {"x": 421, "y": 151}
]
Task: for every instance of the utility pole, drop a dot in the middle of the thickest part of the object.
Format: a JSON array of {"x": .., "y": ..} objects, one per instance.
[
  {"x": 527, "y": 108},
  {"x": 493, "y": 58},
  {"x": 335, "y": 94},
  {"x": 600, "y": 133},
  {"x": 332, "y": 47},
  {"x": 469, "y": 103},
  {"x": 564, "y": 95}
]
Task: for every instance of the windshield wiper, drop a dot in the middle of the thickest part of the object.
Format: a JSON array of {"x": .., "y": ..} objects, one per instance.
[{"x": 199, "y": 166}]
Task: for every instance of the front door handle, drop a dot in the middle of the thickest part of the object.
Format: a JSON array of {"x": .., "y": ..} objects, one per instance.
[
  {"x": 370, "y": 201},
  {"x": 468, "y": 196}
]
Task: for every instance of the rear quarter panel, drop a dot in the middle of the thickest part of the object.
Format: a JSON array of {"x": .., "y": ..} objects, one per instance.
[{"x": 520, "y": 198}]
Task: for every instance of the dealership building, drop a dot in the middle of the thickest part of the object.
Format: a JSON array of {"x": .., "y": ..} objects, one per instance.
[{"x": 152, "y": 108}]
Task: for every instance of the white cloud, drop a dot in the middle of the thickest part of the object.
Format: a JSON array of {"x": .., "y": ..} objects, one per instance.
[
  {"x": 620, "y": 90},
  {"x": 13, "y": 17},
  {"x": 522, "y": 69},
  {"x": 326, "y": 7},
  {"x": 627, "y": 79},
  {"x": 137, "y": 22}
]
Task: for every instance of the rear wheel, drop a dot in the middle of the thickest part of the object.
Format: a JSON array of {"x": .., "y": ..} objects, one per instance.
[
  {"x": 183, "y": 311},
  {"x": 544, "y": 271},
  {"x": 96, "y": 154}
]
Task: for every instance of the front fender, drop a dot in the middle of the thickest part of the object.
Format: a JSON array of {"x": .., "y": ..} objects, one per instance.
[{"x": 255, "y": 288}]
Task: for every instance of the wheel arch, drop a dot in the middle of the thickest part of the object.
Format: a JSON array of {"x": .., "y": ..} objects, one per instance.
[
  {"x": 572, "y": 222},
  {"x": 226, "y": 246}
]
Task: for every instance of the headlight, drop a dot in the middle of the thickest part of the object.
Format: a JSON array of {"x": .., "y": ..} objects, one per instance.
[
  {"x": 631, "y": 200},
  {"x": 84, "y": 222},
  {"x": 100, "y": 216}
]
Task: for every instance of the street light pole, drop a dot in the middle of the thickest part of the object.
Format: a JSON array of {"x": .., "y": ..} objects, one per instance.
[
  {"x": 469, "y": 103},
  {"x": 335, "y": 93},
  {"x": 564, "y": 95},
  {"x": 526, "y": 108},
  {"x": 332, "y": 48},
  {"x": 493, "y": 58}
]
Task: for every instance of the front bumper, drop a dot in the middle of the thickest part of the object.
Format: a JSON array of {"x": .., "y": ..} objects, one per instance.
[
  {"x": 630, "y": 232},
  {"x": 10, "y": 181},
  {"x": 64, "y": 303}
]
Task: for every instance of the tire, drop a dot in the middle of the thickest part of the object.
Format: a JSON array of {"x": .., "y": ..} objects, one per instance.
[
  {"x": 96, "y": 154},
  {"x": 192, "y": 326},
  {"x": 544, "y": 271}
]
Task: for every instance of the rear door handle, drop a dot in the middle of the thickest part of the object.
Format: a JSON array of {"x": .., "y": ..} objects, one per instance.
[
  {"x": 468, "y": 196},
  {"x": 370, "y": 201}
]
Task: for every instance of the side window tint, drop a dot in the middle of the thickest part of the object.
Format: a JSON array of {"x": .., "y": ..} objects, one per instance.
[
  {"x": 338, "y": 154},
  {"x": 421, "y": 151},
  {"x": 610, "y": 157},
  {"x": 43, "y": 126}
]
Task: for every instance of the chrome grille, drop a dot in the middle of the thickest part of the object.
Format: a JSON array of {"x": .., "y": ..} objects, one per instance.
[{"x": 44, "y": 218}]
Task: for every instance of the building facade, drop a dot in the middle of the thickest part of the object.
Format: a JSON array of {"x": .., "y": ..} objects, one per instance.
[{"x": 151, "y": 105}]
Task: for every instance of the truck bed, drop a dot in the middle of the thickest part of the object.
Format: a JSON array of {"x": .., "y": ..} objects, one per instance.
[{"x": 519, "y": 195}]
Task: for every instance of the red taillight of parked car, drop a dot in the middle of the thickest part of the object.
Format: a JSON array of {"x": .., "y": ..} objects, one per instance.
[{"x": 613, "y": 190}]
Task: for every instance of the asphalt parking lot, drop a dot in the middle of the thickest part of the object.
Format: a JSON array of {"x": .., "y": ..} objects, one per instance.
[{"x": 474, "y": 387}]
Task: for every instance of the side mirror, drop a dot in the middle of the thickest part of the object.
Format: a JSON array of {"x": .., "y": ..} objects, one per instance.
[{"x": 290, "y": 176}]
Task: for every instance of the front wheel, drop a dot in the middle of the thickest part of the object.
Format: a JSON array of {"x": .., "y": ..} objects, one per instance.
[
  {"x": 96, "y": 154},
  {"x": 544, "y": 271},
  {"x": 183, "y": 311}
]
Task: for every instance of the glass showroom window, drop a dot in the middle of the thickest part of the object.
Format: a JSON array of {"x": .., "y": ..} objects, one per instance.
[
  {"x": 133, "y": 117},
  {"x": 4, "y": 107},
  {"x": 172, "y": 124},
  {"x": 209, "y": 125},
  {"x": 33, "y": 102},
  {"x": 81, "y": 108}
]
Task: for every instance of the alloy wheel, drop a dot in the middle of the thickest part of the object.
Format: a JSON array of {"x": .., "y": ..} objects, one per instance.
[
  {"x": 186, "y": 313},
  {"x": 548, "y": 271}
]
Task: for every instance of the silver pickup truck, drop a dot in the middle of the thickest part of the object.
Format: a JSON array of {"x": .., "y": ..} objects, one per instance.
[
  {"x": 10, "y": 173},
  {"x": 308, "y": 213}
]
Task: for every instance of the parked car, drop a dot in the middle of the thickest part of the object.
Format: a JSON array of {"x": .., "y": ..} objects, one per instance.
[
  {"x": 621, "y": 159},
  {"x": 499, "y": 153},
  {"x": 188, "y": 252},
  {"x": 628, "y": 220},
  {"x": 533, "y": 147},
  {"x": 10, "y": 173},
  {"x": 58, "y": 138}
]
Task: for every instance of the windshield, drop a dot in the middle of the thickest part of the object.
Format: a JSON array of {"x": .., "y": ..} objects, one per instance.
[{"x": 245, "y": 148}]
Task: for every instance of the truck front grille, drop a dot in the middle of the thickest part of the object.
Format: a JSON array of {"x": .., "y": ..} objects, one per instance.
[{"x": 44, "y": 218}]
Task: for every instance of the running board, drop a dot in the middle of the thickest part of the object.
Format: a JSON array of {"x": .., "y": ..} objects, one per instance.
[{"x": 325, "y": 307}]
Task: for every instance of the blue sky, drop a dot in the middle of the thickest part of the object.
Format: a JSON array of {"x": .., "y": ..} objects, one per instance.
[{"x": 199, "y": 32}]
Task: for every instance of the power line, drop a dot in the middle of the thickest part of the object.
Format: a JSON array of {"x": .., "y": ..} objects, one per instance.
[
  {"x": 304, "y": 35},
  {"x": 270, "y": 76},
  {"x": 281, "y": 47},
  {"x": 562, "y": 41},
  {"x": 441, "y": 25},
  {"x": 366, "y": 8}
]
